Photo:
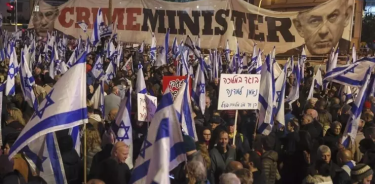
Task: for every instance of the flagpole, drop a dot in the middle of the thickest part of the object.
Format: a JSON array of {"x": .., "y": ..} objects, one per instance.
[
  {"x": 235, "y": 128},
  {"x": 110, "y": 12},
  {"x": 84, "y": 154}
]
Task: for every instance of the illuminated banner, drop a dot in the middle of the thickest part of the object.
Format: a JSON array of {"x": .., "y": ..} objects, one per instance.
[{"x": 318, "y": 29}]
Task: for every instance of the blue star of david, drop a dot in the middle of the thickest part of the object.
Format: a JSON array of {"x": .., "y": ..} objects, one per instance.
[
  {"x": 27, "y": 82},
  {"x": 126, "y": 128},
  {"x": 99, "y": 66},
  {"x": 35, "y": 158},
  {"x": 110, "y": 76},
  {"x": 11, "y": 72},
  {"x": 202, "y": 87},
  {"x": 349, "y": 71},
  {"x": 48, "y": 103},
  {"x": 146, "y": 145},
  {"x": 278, "y": 93}
]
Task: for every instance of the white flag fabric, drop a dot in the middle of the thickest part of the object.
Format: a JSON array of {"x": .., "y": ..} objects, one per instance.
[
  {"x": 43, "y": 155},
  {"x": 76, "y": 137},
  {"x": 110, "y": 73},
  {"x": 163, "y": 57},
  {"x": 123, "y": 126},
  {"x": 280, "y": 96},
  {"x": 182, "y": 104},
  {"x": 351, "y": 75},
  {"x": 294, "y": 92},
  {"x": 266, "y": 97},
  {"x": 97, "y": 69},
  {"x": 199, "y": 87},
  {"x": 153, "y": 48},
  {"x": 351, "y": 128},
  {"x": 83, "y": 26},
  {"x": 27, "y": 82},
  {"x": 64, "y": 107},
  {"x": 96, "y": 32},
  {"x": 12, "y": 72},
  {"x": 162, "y": 149},
  {"x": 140, "y": 83}
]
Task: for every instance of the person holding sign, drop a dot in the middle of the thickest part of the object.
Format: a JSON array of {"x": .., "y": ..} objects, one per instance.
[{"x": 241, "y": 142}]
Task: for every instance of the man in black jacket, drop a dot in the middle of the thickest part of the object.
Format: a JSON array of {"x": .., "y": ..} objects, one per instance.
[{"x": 221, "y": 155}]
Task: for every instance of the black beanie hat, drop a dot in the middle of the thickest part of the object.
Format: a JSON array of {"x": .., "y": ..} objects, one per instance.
[{"x": 189, "y": 143}]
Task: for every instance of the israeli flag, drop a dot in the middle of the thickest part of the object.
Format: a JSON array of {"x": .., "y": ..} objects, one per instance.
[
  {"x": 239, "y": 61},
  {"x": 294, "y": 92},
  {"x": 27, "y": 82},
  {"x": 140, "y": 84},
  {"x": 182, "y": 104},
  {"x": 123, "y": 126},
  {"x": 119, "y": 55},
  {"x": 111, "y": 50},
  {"x": 333, "y": 62},
  {"x": 142, "y": 47},
  {"x": 2, "y": 54},
  {"x": 97, "y": 69},
  {"x": 227, "y": 52},
  {"x": 83, "y": 26},
  {"x": 64, "y": 107},
  {"x": 316, "y": 83},
  {"x": 12, "y": 72},
  {"x": 259, "y": 62},
  {"x": 276, "y": 69},
  {"x": 175, "y": 48},
  {"x": 347, "y": 95},
  {"x": 199, "y": 87},
  {"x": 52, "y": 66},
  {"x": 215, "y": 72},
  {"x": 76, "y": 137},
  {"x": 110, "y": 72},
  {"x": 351, "y": 128},
  {"x": 153, "y": 48},
  {"x": 372, "y": 92},
  {"x": 63, "y": 67},
  {"x": 98, "y": 98},
  {"x": 266, "y": 97},
  {"x": 73, "y": 57},
  {"x": 280, "y": 96},
  {"x": 351, "y": 75},
  {"x": 162, "y": 149},
  {"x": 88, "y": 45},
  {"x": 43, "y": 156},
  {"x": 184, "y": 61},
  {"x": 96, "y": 32},
  {"x": 163, "y": 58}
]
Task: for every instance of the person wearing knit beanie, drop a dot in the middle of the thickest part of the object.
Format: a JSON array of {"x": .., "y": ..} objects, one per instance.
[{"x": 361, "y": 174}]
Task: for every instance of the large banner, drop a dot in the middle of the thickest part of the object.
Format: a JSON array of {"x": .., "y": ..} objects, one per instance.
[{"x": 215, "y": 21}]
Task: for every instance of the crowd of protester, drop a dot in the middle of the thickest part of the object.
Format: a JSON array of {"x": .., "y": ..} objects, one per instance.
[{"x": 307, "y": 149}]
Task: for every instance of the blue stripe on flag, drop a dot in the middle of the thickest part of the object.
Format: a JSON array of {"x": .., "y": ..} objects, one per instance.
[
  {"x": 163, "y": 130},
  {"x": 176, "y": 150},
  {"x": 139, "y": 172},
  {"x": 51, "y": 122},
  {"x": 54, "y": 158},
  {"x": 166, "y": 101}
]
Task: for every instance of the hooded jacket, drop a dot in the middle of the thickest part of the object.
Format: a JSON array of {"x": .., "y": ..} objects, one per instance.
[{"x": 269, "y": 166}]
